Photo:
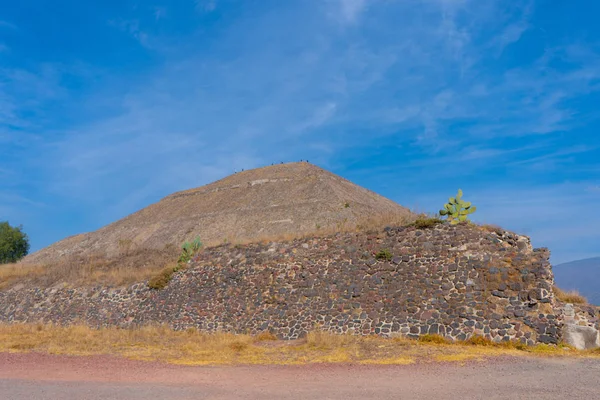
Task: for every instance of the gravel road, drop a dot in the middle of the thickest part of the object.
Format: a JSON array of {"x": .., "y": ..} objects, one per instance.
[{"x": 39, "y": 376}]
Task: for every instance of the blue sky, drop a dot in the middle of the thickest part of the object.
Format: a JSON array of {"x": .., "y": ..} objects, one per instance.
[{"x": 108, "y": 106}]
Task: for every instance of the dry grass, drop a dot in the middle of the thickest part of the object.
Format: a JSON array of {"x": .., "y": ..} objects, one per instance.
[
  {"x": 572, "y": 297},
  {"x": 492, "y": 228},
  {"x": 159, "y": 343},
  {"x": 425, "y": 221},
  {"x": 127, "y": 268},
  {"x": 433, "y": 339},
  {"x": 10, "y": 273},
  {"x": 372, "y": 223}
]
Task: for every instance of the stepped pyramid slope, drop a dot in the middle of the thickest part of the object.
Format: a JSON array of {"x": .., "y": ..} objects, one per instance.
[{"x": 286, "y": 199}]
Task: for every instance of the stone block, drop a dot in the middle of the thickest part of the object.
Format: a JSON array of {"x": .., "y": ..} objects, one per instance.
[{"x": 581, "y": 337}]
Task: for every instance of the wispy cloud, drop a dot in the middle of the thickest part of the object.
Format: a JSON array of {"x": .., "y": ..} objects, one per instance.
[
  {"x": 349, "y": 11},
  {"x": 7, "y": 25},
  {"x": 159, "y": 13},
  {"x": 206, "y": 5},
  {"x": 132, "y": 27}
]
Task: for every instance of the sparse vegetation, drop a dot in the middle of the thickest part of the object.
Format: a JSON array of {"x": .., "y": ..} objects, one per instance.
[
  {"x": 265, "y": 336},
  {"x": 426, "y": 222},
  {"x": 125, "y": 245},
  {"x": 162, "y": 279},
  {"x": 14, "y": 243},
  {"x": 477, "y": 340},
  {"x": 371, "y": 223},
  {"x": 433, "y": 339},
  {"x": 457, "y": 210},
  {"x": 384, "y": 255},
  {"x": 188, "y": 251},
  {"x": 572, "y": 296}
]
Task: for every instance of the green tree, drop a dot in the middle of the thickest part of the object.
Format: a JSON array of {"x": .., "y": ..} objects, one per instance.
[{"x": 14, "y": 243}]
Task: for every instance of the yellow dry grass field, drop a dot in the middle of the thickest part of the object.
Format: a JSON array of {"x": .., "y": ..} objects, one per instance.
[{"x": 160, "y": 343}]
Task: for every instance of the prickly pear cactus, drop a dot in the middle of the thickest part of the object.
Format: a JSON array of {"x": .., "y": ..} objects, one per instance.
[{"x": 457, "y": 210}]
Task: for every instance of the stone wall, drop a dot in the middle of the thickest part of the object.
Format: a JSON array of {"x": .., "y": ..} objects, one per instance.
[
  {"x": 580, "y": 325},
  {"x": 455, "y": 281}
]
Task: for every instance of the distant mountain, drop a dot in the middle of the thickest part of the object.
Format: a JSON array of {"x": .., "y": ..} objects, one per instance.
[{"x": 581, "y": 275}]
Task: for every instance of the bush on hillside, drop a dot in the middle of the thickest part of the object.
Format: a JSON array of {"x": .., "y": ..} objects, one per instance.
[
  {"x": 162, "y": 279},
  {"x": 425, "y": 222},
  {"x": 14, "y": 243},
  {"x": 188, "y": 251}
]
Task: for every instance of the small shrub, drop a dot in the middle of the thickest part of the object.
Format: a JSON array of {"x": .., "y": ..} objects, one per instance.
[
  {"x": 438, "y": 339},
  {"x": 238, "y": 346},
  {"x": 265, "y": 336},
  {"x": 520, "y": 346},
  {"x": 572, "y": 296},
  {"x": 162, "y": 279},
  {"x": 383, "y": 255},
  {"x": 188, "y": 251},
  {"x": 346, "y": 205},
  {"x": 424, "y": 222},
  {"x": 477, "y": 340}
]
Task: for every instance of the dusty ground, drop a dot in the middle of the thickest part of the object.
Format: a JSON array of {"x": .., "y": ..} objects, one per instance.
[{"x": 38, "y": 376}]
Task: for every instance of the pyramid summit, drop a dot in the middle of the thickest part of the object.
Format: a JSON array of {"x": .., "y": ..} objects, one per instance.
[{"x": 280, "y": 200}]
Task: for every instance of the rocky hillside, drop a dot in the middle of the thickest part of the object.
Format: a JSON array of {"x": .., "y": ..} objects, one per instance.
[
  {"x": 456, "y": 281},
  {"x": 287, "y": 199}
]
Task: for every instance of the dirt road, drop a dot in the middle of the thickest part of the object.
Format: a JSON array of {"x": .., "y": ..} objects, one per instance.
[{"x": 37, "y": 376}]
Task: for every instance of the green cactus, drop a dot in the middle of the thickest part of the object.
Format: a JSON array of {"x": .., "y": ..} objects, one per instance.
[
  {"x": 189, "y": 250},
  {"x": 457, "y": 210}
]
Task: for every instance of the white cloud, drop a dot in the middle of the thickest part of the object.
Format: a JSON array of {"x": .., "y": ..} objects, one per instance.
[
  {"x": 160, "y": 13},
  {"x": 349, "y": 11},
  {"x": 206, "y": 5},
  {"x": 510, "y": 34},
  {"x": 132, "y": 27},
  {"x": 320, "y": 116}
]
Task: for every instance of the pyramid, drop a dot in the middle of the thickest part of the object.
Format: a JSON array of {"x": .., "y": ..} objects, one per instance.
[{"x": 293, "y": 199}]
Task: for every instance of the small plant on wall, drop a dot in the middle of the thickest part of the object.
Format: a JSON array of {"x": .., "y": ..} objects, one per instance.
[
  {"x": 189, "y": 250},
  {"x": 457, "y": 210},
  {"x": 384, "y": 255}
]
